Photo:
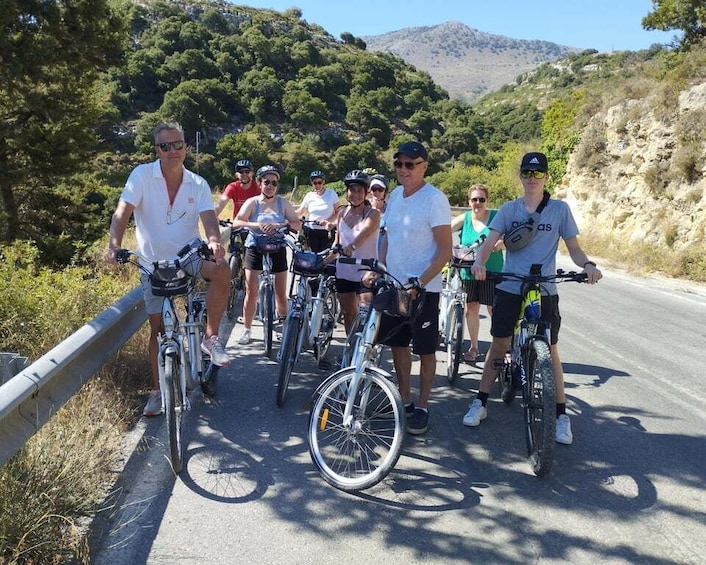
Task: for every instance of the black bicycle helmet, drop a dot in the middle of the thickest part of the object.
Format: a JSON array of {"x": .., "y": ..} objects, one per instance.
[
  {"x": 243, "y": 164},
  {"x": 357, "y": 176},
  {"x": 317, "y": 174},
  {"x": 262, "y": 171}
]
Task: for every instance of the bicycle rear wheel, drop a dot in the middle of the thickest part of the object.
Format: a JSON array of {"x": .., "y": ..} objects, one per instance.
[
  {"x": 358, "y": 454},
  {"x": 287, "y": 355},
  {"x": 454, "y": 343},
  {"x": 174, "y": 410},
  {"x": 540, "y": 407},
  {"x": 268, "y": 313}
]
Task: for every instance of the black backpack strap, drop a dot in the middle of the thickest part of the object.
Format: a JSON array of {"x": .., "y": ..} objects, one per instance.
[{"x": 543, "y": 203}]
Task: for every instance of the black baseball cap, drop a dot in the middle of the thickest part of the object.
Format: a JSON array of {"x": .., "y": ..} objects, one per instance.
[
  {"x": 534, "y": 162},
  {"x": 412, "y": 149}
]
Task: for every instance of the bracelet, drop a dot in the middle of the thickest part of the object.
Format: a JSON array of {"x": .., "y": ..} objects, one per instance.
[{"x": 588, "y": 263}]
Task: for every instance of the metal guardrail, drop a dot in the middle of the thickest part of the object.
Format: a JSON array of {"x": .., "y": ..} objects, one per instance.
[
  {"x": 34, "y": 395},
  {"x": 29, "y": 399}
]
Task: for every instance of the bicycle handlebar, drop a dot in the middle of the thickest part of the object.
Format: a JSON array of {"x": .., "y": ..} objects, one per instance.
[
  {"x": 372, "y": 264},
  {"x": 560, "y": 276},
  {"x": 201, "y": 249}
]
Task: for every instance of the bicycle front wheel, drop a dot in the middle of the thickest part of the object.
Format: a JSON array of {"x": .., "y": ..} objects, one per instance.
[
  {"x": 174, "y": 409},
  {"x": 540, "y": 407},
  {"x": 454, "y": 343},
  {"x": 327, "y": 327},
  {"x": 356, "y": 454},
  {"x": 287, "y": 355}
]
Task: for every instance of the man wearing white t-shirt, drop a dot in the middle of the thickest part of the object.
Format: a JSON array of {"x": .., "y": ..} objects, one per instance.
[
  {"x": 417, "y": 246},
  {"x": 167, "y": 201}
]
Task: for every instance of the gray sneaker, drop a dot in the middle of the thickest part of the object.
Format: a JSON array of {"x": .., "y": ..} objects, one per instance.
[
  {"x": 563, "y": 430},
  {"x": 213, "y": 347},
  {"x": 154, "y": 404},
  {"x": 476, "y": 413},
  {"x": 244, "y": 338}
]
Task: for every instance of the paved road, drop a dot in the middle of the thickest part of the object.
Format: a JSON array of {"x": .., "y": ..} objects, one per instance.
[{"x": 630, "y": 489}]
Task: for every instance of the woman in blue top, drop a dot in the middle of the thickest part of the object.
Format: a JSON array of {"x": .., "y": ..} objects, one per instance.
[
  {"x": 473, "y": 224},
  {"x": 265, "y": 213}
]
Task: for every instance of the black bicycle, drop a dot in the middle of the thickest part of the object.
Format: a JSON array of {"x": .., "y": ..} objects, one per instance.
[{"x": 528, "y": 365}]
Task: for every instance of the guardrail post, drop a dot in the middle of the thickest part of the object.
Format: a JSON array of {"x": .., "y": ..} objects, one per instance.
[{"x": 10, "y": 365}]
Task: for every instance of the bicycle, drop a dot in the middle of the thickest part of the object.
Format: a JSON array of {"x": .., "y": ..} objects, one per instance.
[
  {"x": 528, "y": 366},
  {"x": 452, "y": 307},
  {"x": 268, "y": 244},
  {"x": 317, "y": 314},
  {"x": 235, "y": 262},
  {"x": 181, "y": 361},
  {"x": 357, "y": 420}
]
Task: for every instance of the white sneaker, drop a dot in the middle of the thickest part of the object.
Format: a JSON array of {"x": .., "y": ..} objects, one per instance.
[
  {"x": 154, "y": 404},
  {"x": 476, "y": 413},
  {"x": 244, "y": 338},
  {"x": 213, "y": 347},
  {"x": 563, "y": 430}
]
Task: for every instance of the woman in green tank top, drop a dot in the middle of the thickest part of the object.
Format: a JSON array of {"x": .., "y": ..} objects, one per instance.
[{"x": 474, "y": 224}]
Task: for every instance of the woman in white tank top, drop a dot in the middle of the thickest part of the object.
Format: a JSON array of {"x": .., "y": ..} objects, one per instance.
[{"x": 358, "y": 227}]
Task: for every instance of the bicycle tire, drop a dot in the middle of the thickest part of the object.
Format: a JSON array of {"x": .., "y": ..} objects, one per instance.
[
  {"x": 327, "y": 326},
  {"x": 268, "y": 314},
  {"x": 235, "y": 281},
  {"x": 540, "y": 407},
  {"x": 287, "y": 353},
  {"x": 351, "y": 341},
  {"x": 454, "y": 344},
  {"x": 174, "y": 411},
  {"x": 360, "y": 455}
]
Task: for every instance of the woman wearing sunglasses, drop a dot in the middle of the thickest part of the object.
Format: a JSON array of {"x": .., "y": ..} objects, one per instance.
[
  {"x": 321, "y": 204},
  {"x": 378, "y": 199},
  {"x": 265, "y": 213},
  {"x": 474, "y": 224}
]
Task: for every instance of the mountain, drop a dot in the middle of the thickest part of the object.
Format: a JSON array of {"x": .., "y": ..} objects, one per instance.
[{"x": 464, "y": 61}]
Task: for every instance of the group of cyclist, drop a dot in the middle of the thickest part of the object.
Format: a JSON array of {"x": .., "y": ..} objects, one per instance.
[{"x": 167, "y": 201}]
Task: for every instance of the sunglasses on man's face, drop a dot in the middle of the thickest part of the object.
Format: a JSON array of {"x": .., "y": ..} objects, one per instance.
[
  {"x": 409, "y": 165},
  {"x": 317, "y": 182},
  {"x": 481, "y": 200},
  {"x": 169, "y": 145},
  {"x": 535, "y": 174},
  {"x": 268, "y": 182}
]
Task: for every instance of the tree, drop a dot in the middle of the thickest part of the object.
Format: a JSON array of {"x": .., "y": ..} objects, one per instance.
[
  {"x": 51, "y": 58},
  {"x": 688, "y": 16}
]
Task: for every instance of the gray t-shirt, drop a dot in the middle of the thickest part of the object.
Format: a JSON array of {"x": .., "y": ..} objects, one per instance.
[{"x": 555, "y": 221}]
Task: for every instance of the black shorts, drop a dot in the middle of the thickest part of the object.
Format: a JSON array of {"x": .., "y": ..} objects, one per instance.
[
  {"x": 319, "y": 239},
  {"x": 344, "y": 285},
  {"x": 479, "y": 291},
  {"x": 506, "y": 310},
  {"x": 423, "y": 332},
  {"x": 253, "y": 260}
]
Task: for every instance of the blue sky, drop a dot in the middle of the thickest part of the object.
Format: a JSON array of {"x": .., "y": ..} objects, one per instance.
[{"x": 606, "y": 25}]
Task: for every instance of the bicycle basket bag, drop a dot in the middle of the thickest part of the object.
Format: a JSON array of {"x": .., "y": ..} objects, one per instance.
[
  {"x": 169, "y": 281},
  {"x": 519, "y": 237},
  {"x": 269, "y": 243},
  {"x": 307, "y": 263},
  {"x": 393, "y": 302}
]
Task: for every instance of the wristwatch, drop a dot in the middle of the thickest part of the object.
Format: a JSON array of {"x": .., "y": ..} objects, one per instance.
[
  {"x": 588, "y": 263},
  {"x": 353, "y": 246}
]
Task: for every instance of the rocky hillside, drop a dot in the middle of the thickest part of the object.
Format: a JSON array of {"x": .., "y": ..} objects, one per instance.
[
  {"x": 466, "y": 62},
  {"x": 638, "y": 174}
]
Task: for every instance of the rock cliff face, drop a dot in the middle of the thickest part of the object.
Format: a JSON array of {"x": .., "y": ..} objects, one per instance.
[{"x": 638, "y": 172}]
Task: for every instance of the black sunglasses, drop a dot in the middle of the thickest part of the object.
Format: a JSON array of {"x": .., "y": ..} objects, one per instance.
[
  {"x": 268, "y": 182},
  {"x": 535, "y": 174},
  {"x": 409, "y": 165},
  {"x": 377, "y": 189},
  {"x": 481, "y": 200},
  {"x": 168, "y": 145}
]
